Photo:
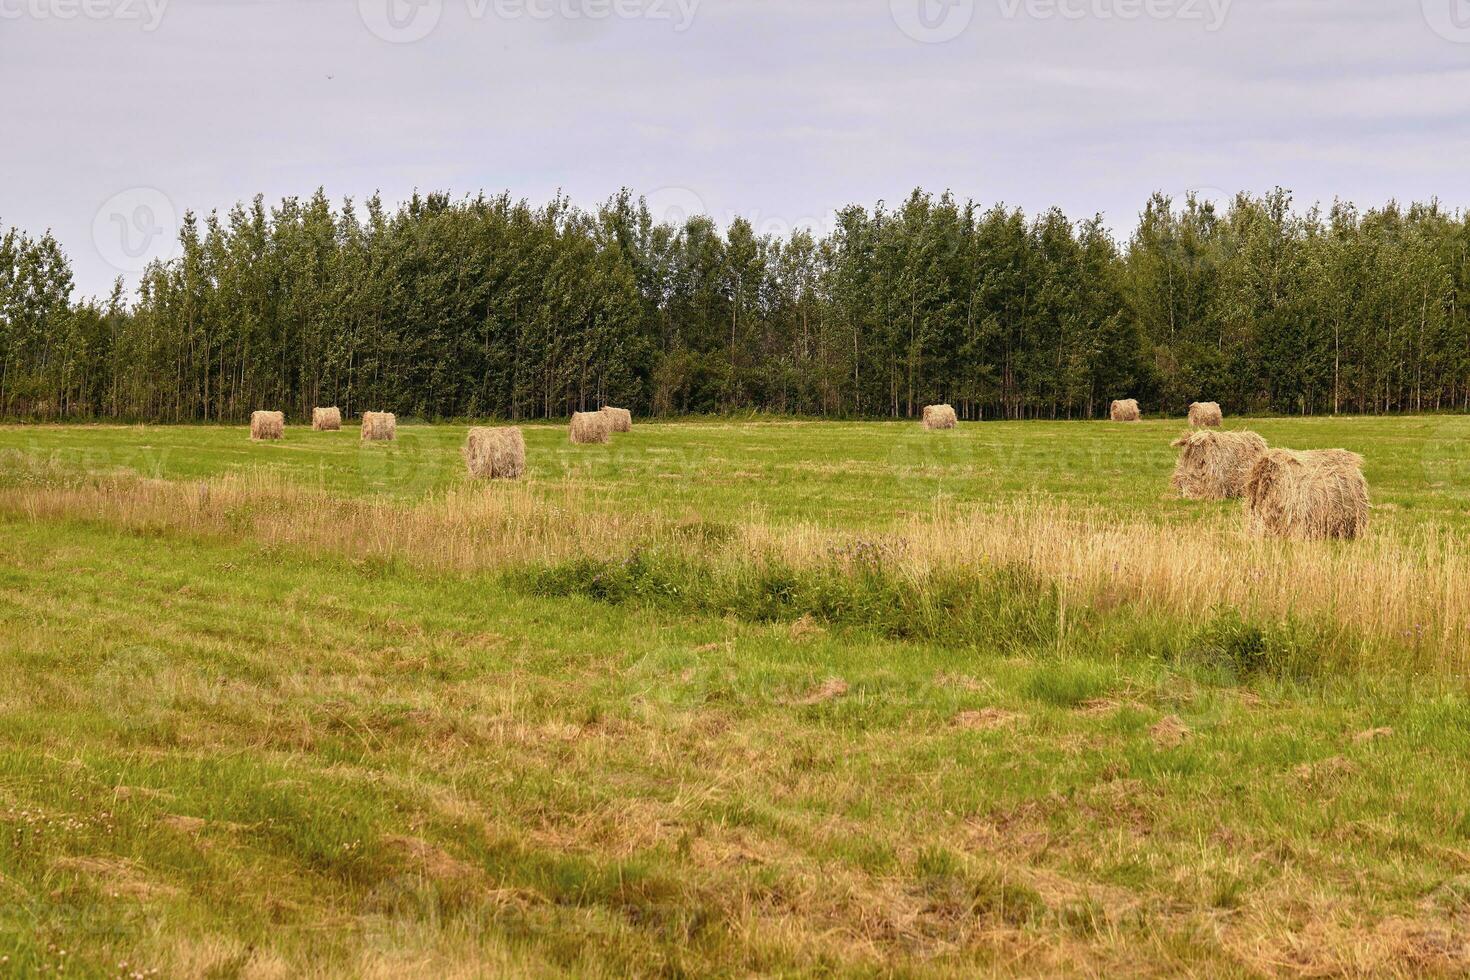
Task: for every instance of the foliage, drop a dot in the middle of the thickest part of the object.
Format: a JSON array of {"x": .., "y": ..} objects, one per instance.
[
  {"x": 993, "y": 608},
  {"x": 1282, "y": 648},
  {"x": 487, "y": 306}
]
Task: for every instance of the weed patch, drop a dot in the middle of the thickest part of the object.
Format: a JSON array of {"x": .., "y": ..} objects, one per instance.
[
  {"x": 1288, "y": 648},
  {"x": 1002, "y": 608}
]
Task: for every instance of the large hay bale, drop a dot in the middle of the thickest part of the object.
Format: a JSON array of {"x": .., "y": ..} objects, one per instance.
[
  {"x": 590, "y": 427},
  {"x": 621, "y": 418},
  {"x": 267, "y": 425},
  {"x": 326, "y": 419},
  {"x": 1205, "y": 415},
  {"x": 1315, "y": 494},
  {"x": 1214, "y": 465},
  {"x": 495, "y": 454},
  {"x": 939, "y": 417},
  {"x": 379, "y": 426},
  {"x": 1125, "y": 410}
]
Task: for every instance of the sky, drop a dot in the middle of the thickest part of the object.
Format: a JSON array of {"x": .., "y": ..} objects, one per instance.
[{"x": 120, "y": 115}]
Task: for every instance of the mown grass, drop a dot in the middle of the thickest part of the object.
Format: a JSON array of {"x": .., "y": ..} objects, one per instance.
[
  {"x": 669, "y": 739},
  {"x": 851, "y": 475}
]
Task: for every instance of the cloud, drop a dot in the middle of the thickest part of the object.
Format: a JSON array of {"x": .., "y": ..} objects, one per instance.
[{"x": 763, "y": 107}]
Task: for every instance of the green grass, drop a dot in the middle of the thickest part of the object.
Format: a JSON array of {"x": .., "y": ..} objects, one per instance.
[
  {"x": 849, "y": 475},
  {"x": 219, "y": 758}
]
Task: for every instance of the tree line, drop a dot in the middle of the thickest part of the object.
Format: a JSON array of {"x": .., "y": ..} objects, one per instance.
[{"x": 487, "y": 306}]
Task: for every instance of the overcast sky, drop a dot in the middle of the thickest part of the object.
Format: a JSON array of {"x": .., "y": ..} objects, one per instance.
[{"x": 121, "y": 114}]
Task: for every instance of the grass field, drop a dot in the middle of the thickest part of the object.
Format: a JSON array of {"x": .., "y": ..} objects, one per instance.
[{"x": 726, "y": 698}]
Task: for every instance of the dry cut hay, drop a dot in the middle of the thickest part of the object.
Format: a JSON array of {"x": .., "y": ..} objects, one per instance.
[
  {"x": 1315, "y": 494},
  {"x": 495, "y": 454},
  {"x": 621, "y": 418},
  {"x": 1214, "y": 465},
  {"x": 326, "y": 419},
  {"x": 267, "y": 425},
  {"x": 1205, "y": 414},
  {"x": 379, "y": 426},
  {"x": 939, "y": 417},
  {"x": 590, "y": 427},
  {"x": 1125, "y": 410}
]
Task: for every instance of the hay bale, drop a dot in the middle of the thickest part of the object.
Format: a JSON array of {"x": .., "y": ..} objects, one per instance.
[
  {"x": 379, "y": 426},
  {"x": 495, "y": 454},
  {"x": 1205, "y": 414},
  {"x": 1214, "y": 465},
  {"x": 267, "y": 425},
  {"x": 1125, "y": 410},
  {"x": 939, "y": 417},
  {"x": 1316, "y": 494},
  {"x": 326, "y": 419},
  {"x": 590, "y": 427},
  {"x": 621, "y": 418}
]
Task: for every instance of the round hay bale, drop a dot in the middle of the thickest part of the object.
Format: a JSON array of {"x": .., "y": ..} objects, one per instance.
[
  {"x": 379, "y": 426},
  {"x": 495, "y": 454},
  {"x": 1206, "y": 414},
  {"x": 939, "y": 417},
  {"x": 1315, "y": 494},
  {"x": 1125, "y": 410},
  {"x": 267, "y": 425},
  {"x": 326, "y": 419},
  {"x": 621, "y": 418},
  {"x": 590, "y": 427},
  {"x": 1214, "y": 465}
]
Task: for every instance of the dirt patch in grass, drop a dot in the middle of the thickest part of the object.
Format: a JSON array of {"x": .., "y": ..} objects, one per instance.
[
  {"x": 1108, "y": 705},
  {"x": 1326, "y": 946},
  {"x": 117, "y": 876},
  {"x": 432, "y": 861},
  {"x": 1019, "y": 831},
  {"x": 183, "y": 825},
  {"x": 962, "y": 681},
  {"x": 805, "y": 628},
  {"x": 828, "y": 690},
  {"x": 1169, "y": 733},
  {"x": 986, "y": 719},
  {"x": 1325, "y": 772}
]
